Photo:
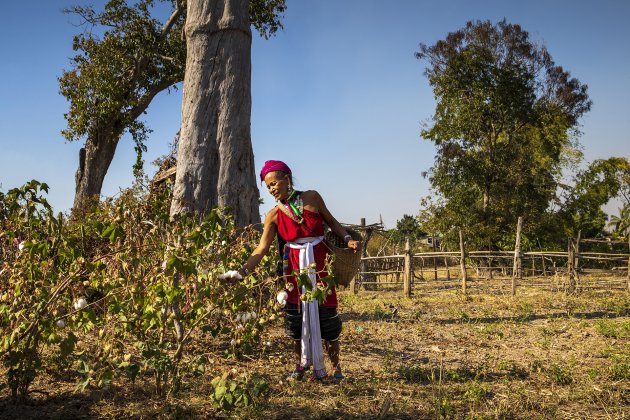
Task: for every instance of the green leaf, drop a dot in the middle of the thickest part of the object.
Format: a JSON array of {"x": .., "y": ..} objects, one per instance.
[
  {"x": 219, "y": 391},
  {"x": 132, "y": 372},
  {"x": 66, "y": 346}
]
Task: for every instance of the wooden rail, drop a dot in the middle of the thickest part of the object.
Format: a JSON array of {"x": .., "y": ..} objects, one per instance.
[{"x": 445, "y": 267}]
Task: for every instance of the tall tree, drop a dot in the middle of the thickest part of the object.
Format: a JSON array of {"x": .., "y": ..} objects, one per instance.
[
  {"x": 215, "y": 158},
  {"x": 504, "y": 125},
  {"x": 126, "y": 56}
]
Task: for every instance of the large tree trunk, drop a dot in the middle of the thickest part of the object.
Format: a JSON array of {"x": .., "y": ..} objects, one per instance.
[
  {"x": 215, "y": 163},
  {"x": 94, "y": 161}
]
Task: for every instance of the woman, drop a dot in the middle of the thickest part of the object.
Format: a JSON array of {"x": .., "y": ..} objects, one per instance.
[{"x": 298, "y": 219}]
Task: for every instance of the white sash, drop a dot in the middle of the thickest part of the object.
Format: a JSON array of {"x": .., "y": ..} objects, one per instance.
[{"x": 312, "y": 353}]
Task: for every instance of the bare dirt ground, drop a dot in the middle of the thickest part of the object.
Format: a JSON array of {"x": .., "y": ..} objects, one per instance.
[{"x": 436, "y": 355}]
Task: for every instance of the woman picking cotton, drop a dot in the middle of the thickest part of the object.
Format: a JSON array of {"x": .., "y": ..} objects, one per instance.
[{"x": 299, "y": 219}]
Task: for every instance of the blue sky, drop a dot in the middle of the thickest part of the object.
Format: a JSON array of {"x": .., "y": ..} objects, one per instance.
[{"x": 337, "y": 94}]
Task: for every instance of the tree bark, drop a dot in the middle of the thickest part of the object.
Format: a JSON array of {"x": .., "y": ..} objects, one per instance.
[
  {"x": 486, "y": 196},
  {"x": 94, "y": 161},
  {"x": 215, "y": 165}
]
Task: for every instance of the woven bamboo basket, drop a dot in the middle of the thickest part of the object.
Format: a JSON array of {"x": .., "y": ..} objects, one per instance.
[{"x": 346, "y": 263}]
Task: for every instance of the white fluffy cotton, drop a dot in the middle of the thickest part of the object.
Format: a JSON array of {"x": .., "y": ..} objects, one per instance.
[{"x": 231, "y": 274}]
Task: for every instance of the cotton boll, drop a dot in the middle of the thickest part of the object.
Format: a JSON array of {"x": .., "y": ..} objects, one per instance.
[
  {"x": 238, "y": 318},
  {"x": 80, "y": 304},
  {"x": 61, "y": 323},
  {"x": 231, "y": 274},
  {"x": 164, "y": 264},
  {"x": 233, "y": 342},
  {"x": 246, "y": 317},
  {"x": 21, "y": 245},
  {"x": 253, "y": 315},
  {"x": 282, "y": 297}
]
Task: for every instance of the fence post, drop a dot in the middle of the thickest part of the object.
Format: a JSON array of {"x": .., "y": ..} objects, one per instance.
[
  {"x": 448, "y": 271},
  {"x": 407, "y": 285},
  {"x": 362, "y": 265},
  {"x": 462, "y": 261},
  {"x": 576, "y": 257},
  {"x": 435, "y": 269},
  {"x": 516, "y": 269},
  {"x": 570, "y": 261}
]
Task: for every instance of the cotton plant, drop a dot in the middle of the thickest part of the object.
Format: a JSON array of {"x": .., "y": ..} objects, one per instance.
[
  {"x": 322, "y": 288},
  {"x": 125, "y": 260}
]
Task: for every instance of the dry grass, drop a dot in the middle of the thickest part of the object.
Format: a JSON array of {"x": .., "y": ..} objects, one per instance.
[{"x": 537, "y": 355}]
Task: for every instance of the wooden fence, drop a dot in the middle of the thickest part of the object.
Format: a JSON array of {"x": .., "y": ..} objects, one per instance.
[{"x": 569, "y": 271}]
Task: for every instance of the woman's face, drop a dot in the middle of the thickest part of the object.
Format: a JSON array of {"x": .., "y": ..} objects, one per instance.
[{"x": 278, "y": 185}]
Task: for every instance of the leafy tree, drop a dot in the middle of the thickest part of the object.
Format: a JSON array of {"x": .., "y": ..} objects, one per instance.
[
  {"x": 621, "y": 223},
  {"x": 125, "y": 57},
  {"x": 594, "y": 187},
  {"x": 408, "y": 225},
  {"x": 505, "y": 124}
]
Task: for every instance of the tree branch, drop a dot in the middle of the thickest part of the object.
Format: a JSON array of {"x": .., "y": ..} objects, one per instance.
[
  {"x": 173, "y": 18},
  {"x": 146, "y": 99}
]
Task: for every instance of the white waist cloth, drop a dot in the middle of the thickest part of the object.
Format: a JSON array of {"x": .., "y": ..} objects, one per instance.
[{"x": 312, "y": 353}]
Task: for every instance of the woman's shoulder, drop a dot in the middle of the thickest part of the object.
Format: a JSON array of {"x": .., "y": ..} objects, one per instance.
[
  {"x": 310, "y": 195},
  {"x": 272, "y": 215},
  {"x": 312, "y": 201}
]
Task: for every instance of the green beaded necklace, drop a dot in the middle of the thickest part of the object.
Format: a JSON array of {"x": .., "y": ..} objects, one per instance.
[{"x": 295, "y": 208}]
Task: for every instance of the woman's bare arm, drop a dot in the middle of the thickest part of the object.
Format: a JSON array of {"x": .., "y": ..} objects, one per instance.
[
  {"x": 268, "y": 236},
  {"x": 316, "y": 202}
]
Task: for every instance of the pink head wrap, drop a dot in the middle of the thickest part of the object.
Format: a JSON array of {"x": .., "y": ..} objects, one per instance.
[{"x": 272, "y": 166}]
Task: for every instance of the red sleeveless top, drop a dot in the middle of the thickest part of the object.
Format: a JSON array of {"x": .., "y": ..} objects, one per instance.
[{"x": 290, "y": 231}]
